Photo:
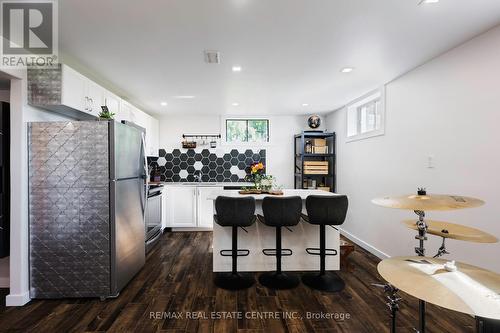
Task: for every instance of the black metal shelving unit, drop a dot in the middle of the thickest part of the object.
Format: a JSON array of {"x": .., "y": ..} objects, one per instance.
[{"x": 301, "y": 156}]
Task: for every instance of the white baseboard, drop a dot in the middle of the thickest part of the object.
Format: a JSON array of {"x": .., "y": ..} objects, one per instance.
[
  {"x": 373, "y": 250},
  {"x": 4, "y": 282},
  {"x": 17, "y": 300},
  {"x": 191, "y": 229}
]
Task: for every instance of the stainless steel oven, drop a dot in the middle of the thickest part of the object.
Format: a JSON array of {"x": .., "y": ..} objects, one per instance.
[{"x": 153, "y": 215}]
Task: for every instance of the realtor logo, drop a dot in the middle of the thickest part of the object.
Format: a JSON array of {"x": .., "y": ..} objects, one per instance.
[{"x": 29, "y": 33}]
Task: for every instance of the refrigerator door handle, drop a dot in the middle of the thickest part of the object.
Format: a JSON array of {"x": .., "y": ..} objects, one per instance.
[
  {"x": 146, "y": 171},
  {"x": 144, "y": 162}
]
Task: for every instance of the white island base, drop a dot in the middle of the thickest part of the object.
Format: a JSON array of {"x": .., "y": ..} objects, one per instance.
[{"x": 261, "y": 237}]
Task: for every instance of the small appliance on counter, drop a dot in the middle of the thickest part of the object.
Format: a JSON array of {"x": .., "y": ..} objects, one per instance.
[{"x": 155, "y": 175}]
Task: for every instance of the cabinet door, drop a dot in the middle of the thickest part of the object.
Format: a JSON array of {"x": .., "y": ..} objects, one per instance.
[
  {"x": 125, "y": 111},
  {"x": 145, "y": 120},
  {"x": 205, "y": 207},
  {"x": 73, "y": 89},
  {"x": 153, "y": 136},
  {"x": 181, "y": 208},
  {"x": 95, "y": 95}
]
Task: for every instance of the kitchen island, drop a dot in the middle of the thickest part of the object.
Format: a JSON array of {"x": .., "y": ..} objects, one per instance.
[{"x": 260, "y": 236}]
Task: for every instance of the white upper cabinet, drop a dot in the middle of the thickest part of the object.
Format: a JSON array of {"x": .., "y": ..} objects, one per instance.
[
  {"x": 113, "y": 103},
  {"x": 153, "y": 136},
  {"x": 95, "y": 97},
  {"x": 150, "y": 124},
  {"x": 81, "y": 93},
  {"x": 66, "y": 91},
  {"x": 125, "y": 112},
  {"x": 73, "y": 88}
]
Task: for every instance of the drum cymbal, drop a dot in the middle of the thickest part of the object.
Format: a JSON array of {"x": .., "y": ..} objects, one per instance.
[
  {"x": 454, "y": 231},
  {"x": 428, "y": 202},
  {"x": 470, "y": 289}
]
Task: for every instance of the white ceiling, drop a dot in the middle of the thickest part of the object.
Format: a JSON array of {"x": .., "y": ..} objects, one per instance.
[{"x": 291, "y": 51}]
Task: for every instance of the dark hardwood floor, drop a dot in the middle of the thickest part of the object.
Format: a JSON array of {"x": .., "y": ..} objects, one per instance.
[{"x": 177, "y": 278}]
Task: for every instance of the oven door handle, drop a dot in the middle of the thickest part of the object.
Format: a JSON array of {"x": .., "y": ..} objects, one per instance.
[{"x": 157, "y": 194}]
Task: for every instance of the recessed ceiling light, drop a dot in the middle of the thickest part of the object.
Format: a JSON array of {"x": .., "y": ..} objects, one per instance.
[
  {"x": 163, "y": 103},
  {"x": 305, "y": 104},
  {"x": 236, "y": 68},
  {"x": 428, "y": 1},
  {"x": 184, "y": 97},
  {"x": 347, "y": 69},
  {"x": 235, "y": 104}
]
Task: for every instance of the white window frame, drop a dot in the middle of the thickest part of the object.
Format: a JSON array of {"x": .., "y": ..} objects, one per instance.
[
  {"x": 365, "y": 99},
  {"x": 245, "y": 144}
]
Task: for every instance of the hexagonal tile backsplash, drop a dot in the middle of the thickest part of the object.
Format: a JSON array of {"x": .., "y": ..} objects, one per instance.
[{"x": 213, "y": 165}]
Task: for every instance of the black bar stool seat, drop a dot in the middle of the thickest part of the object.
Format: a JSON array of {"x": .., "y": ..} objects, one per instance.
[
  {"x": 235, "y": 213},
  {"x": 324, "y": 211},
  {"x": 278, "y": 213}
]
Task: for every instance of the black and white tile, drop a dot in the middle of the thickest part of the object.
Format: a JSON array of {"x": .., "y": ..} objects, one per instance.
[{"x": 213, "y": 165}]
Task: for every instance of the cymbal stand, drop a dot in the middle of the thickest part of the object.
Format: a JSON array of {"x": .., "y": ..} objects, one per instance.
[
  {"x": 392, "y": 302},
  {"x": 420, "y": 250},
  {"x": 422, "y": 233},
  {"x": 442, "y": 250}
]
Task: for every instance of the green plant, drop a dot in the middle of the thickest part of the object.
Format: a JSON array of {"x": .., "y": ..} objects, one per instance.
[{"x": 106, "y": 115}]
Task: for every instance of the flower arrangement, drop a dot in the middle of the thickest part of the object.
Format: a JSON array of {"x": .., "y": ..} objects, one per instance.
[
  {"x": 257, "y": 168},
  {"x": 259, "y": 178}
]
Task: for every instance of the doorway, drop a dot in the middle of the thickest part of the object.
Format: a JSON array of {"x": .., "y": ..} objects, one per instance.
[{"x": 4, "y": 181}]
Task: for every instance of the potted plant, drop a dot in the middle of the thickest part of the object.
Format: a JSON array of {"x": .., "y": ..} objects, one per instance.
[{"x": 105, "y": 114}]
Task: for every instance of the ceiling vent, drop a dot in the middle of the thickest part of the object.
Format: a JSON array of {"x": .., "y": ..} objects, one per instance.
[{"x": 212, "y": 57}]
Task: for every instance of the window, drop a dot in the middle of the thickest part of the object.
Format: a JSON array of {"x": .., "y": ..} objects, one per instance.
[
  {"x": 247, "y": 130},
  {"x": 365, "y": 116}
]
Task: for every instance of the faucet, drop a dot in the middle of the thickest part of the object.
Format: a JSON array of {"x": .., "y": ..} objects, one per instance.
[{"x": 197, "y": 176}]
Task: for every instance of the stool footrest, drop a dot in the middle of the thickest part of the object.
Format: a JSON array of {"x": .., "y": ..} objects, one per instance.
[
  {"x": 239, "y": 253},
  {"x": 317, "y": 251},
  {"x": 273, "y": 252}
]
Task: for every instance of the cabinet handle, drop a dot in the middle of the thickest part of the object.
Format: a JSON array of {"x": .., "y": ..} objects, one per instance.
[{"x": 86, "y": 103}]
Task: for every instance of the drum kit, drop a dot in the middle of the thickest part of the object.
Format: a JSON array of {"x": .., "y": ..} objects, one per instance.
[{"x": 422, "y": 277}]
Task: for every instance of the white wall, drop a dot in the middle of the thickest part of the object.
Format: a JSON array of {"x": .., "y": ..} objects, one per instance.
[
  {"x": 448, "y": 108},
  {"x": 279, "y": 152}
]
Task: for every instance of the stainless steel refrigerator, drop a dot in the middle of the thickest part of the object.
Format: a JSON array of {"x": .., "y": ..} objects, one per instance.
[{"x": 87, "y": 198}]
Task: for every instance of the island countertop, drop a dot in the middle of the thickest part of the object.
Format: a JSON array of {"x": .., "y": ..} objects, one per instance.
[
  {"x": 258, "y": 236},
  {"x": 303, "y": 194}
]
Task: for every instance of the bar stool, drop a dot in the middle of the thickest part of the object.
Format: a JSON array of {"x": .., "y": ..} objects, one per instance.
[
  {"x": 235, "y": 213},
  {"x": 324, "y": 210},
  {"x": 278, "y": 213}
]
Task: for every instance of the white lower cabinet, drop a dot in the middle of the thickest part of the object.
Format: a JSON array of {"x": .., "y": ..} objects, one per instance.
[
  {"x": 205, "y": 207},
  {"x": 188, "y": 206},
  {"x": 181, "y": 206}
]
